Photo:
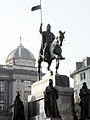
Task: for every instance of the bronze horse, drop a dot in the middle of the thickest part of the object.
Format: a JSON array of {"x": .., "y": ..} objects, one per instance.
[{"x": 55, "y": 52}]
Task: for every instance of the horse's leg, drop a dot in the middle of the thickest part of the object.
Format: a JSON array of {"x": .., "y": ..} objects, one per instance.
[
  {"x": 49, "y": 64},
  {"x": 51, "y": 72},
  {"x": 57, "y": 64},
  {"x": 39, "y": 66},
  {"x": 48, "y": 68}
]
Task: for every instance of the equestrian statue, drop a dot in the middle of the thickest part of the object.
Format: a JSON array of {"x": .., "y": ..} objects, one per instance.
[{"x": 50, "y": 48}]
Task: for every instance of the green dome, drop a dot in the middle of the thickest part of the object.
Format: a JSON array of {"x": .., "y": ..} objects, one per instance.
[{"x": 20, "y": 52}]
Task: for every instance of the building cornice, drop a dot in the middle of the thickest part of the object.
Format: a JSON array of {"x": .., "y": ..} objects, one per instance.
[{"x": 79, "y": 70}]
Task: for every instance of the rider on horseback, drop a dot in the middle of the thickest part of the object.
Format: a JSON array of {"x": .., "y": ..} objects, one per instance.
[
  {"x": 47, "y": 50},
  {"x": 47, "y": 39}
]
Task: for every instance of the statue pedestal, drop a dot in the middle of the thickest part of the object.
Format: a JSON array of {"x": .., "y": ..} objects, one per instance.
[{"x": 64, "y": 102}]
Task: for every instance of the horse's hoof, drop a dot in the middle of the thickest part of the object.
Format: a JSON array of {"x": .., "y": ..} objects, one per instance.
[
  {"x": 51, "y": 73},
  {"x": 62, "y": 58}
]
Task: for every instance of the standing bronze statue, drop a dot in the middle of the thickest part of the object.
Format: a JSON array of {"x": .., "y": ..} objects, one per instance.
[
  {"x": 18, "y": 109},
  {"x": 85, "y": 102},
  {"x": 50, "y": 103}
]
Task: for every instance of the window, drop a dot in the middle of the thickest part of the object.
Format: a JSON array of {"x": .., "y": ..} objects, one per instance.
[
  {"x": 2, "y": 85},
  {"x": 27, "y": 85},
  {"x": 89, "y": 73},
  {"x": 18, "y": 85},
  {"x": 82, "y": 76},
  {"x": 2, "y": 88}
]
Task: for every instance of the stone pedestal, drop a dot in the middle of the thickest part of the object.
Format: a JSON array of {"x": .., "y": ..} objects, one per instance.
[{"x": 65, "y": 101}]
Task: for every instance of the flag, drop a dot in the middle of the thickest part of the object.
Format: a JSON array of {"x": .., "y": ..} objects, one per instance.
[{"x": 36, "y": 7}]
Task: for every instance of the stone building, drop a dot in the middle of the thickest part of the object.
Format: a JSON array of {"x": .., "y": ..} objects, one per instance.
[
  {"x": 81, "y": 74},
  {"x": 17, "y": 76}
]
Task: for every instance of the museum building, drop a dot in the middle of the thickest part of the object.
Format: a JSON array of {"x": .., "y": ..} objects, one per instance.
[
  {"x": 81, "y": 74},
  {"x": 17, "y": 75}
]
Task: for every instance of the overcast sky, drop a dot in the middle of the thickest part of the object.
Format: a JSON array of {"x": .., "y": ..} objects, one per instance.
[{"x": 71, "y": 16}]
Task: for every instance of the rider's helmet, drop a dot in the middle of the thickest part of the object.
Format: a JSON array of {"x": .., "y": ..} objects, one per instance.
[{"x": 48, "y": 28}]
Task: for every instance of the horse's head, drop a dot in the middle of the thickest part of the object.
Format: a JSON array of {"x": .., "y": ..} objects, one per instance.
[{"x": 60, "y": 37}]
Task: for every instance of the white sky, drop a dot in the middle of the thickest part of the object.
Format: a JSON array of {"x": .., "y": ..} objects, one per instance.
[{"x": 72, "y": 16}]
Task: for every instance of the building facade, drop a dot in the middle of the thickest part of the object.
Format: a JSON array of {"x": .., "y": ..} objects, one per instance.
[
  {"x": 17, "y": 76},
  {"x": 81, "y": 74}
]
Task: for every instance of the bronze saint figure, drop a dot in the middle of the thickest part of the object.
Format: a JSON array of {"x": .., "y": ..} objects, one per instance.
[
  {"x": 18, "y": 109},
  {"x": 85, "y": 102},
  {"x": 50, "y": 103}
]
